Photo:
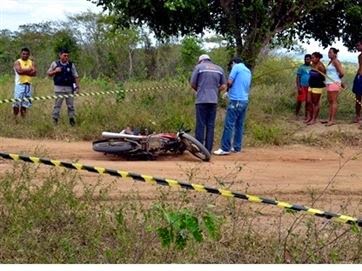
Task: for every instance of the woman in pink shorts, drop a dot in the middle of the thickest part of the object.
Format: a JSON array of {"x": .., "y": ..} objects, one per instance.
[{"x": 334, "y": 73}]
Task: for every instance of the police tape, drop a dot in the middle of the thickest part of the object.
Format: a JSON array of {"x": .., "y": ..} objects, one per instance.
[
  {"x": 189, "y": 186},
  {"x": 85, "y": 94}
]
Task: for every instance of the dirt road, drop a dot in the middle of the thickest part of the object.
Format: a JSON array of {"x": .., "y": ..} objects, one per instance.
[{"x": 291, "y": 173}]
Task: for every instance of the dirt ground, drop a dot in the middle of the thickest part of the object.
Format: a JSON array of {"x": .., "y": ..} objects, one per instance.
[{"x": 292, "y": 173}]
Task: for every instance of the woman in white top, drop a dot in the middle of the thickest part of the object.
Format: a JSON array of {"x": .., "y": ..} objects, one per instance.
[{"x": 334, "y": 72}]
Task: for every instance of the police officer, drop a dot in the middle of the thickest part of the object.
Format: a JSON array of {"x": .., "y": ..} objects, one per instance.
[{"x": 66, "y": 81}]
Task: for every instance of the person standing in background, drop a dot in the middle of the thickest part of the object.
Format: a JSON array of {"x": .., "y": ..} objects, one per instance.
[
  {"x": 357, "y": 84},
  {"x": 207, "y": 79},
  {"x": 25, "y": 70},
  {"x": 333, "y": 82},
  {"x": 66, "y": 81},
  {"x": 316, "y": 86},
  {"x": 302, "y": 87}
]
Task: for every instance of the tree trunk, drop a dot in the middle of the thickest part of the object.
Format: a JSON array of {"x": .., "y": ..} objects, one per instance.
[{"x": 130, "y": 67}]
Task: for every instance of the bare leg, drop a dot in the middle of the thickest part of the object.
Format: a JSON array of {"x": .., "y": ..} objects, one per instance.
[
  {"x": 309, "y": 107},
  {"x": 16, "y": 111},
  {"x": 316, "y": 107},
  {"x": 333, "y": 105},
  {"x": 23, "y": 111},
  {"x": 297, "y": 109},
  {"x": 358, "y": 109}
]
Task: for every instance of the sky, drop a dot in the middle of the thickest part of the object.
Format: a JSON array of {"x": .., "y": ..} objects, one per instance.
[{"x": 17, "y": 12}]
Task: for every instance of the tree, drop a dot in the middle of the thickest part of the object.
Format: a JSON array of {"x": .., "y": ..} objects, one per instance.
[
  {"x": 190, "y": 51},
  {"x": 249, "y": 25}
]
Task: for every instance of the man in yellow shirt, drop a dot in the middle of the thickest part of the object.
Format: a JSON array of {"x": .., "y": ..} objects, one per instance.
[{"x": 25, "y": 70}]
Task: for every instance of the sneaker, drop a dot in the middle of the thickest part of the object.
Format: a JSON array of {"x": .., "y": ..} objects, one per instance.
[
  {"x": 72, "y": 121},
  {"x": 233, "y": 150},
  {"x": 221, "y": 152},
  {"x": 55, "y": 121}
]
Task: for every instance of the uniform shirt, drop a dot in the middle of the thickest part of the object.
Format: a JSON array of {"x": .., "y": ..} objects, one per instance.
[
  {"x": 208, "y": 77},
  {"x": 63, "y": 88},
  {"x": 241, "y": 78}
]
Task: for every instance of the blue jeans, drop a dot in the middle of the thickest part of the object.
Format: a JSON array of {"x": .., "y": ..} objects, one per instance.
[
  {"x": 234, "y": 123},
  {"x": 205, "y": 124}
]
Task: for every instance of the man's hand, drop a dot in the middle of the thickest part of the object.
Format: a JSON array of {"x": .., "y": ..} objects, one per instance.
[{"x": 57, "y": 69}]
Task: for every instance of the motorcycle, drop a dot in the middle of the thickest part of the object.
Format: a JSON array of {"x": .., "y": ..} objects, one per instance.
[{"x": 134, "y": 146}]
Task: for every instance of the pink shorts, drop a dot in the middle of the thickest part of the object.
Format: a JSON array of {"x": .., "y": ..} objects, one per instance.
[{"x": 334, "y": 87}]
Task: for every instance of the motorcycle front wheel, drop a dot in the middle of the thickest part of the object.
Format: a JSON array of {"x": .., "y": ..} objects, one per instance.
[
  {"x": 112, "y": 146},
  {"x": 195, "y": 147}
]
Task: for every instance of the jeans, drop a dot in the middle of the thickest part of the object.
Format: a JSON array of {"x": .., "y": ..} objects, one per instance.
[
  {"x": 234, "y": 123},
  {"x": 205, "y": 124}
]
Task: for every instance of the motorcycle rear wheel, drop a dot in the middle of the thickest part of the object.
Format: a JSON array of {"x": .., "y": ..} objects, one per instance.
[
  {"x": 112, "y": 146},
  {"x": 195, "y": 147}
]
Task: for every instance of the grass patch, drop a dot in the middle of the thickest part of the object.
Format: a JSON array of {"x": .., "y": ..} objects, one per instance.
[{"x": 61, "y": 219}]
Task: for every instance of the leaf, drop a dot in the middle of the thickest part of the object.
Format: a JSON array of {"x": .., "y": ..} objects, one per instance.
[
  {"x": 181, "y": 239},
  {"x": 192, "y": 225},
  {"x": 165, "y": 235},
  {"x": 212, "y": 226}
]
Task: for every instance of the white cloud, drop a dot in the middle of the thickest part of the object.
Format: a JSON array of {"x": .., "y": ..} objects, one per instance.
[{"x": 18, "y": 12}]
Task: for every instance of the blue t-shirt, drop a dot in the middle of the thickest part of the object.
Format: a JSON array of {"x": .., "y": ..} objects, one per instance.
[
  {"x": 241, "y": 78},
  {"x": 303, "y": 72}
]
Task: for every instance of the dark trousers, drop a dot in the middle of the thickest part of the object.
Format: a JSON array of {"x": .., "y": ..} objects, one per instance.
[{"x": 205, "y": 124}]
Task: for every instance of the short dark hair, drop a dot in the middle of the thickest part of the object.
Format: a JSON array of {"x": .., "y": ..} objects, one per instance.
[
  {"x": 63, "y": 51},
  {"x": 237, "y": 60},
  {"x": 25, "y": 49},
  {"x": 308, "y": 55}
]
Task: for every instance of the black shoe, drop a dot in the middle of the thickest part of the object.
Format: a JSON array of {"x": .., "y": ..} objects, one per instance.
[
  {"x": 72, "y": 121},
  {"x": 55, "y": 121}
]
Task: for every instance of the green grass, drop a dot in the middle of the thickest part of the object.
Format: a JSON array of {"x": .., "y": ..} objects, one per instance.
[
  {"x": 268, "y": 121},
  {"x": 55, "y": 217},
  {"x": 61, "y": 219}
]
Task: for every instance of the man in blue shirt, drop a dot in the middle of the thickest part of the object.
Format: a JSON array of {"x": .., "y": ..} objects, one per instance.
[
  {"x": 302, "y": 80},
  {"x": 239, "y": 87},
  {"x": 207, "y": 80}
]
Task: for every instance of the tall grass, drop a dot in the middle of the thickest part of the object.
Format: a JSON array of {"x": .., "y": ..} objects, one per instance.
[
  {"x": 61, "y": 219},
  {"x": 270, "y": 118}
]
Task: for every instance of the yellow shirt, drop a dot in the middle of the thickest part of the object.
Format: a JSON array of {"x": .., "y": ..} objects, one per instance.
[{"x": 24, "y": 64}]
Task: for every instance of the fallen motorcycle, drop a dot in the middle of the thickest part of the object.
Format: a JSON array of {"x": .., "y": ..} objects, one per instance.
[{"x": 148, "y": 147}]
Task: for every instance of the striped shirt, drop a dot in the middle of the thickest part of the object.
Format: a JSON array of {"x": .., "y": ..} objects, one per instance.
[{"x": 208, "y": 77}]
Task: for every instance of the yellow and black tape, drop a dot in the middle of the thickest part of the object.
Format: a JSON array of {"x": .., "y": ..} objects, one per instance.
[
  {"x": 189, "y": 186},
  {"x": 85, "y": 94}
]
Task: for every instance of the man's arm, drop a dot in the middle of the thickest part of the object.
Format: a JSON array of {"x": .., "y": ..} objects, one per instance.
[
  {"x": 20, "y": 70},
  {"x": 297, "y": 81},
  {"x": 76, "y": 77},
  {"x": 53, "y": 69},
  {"x": 230, "y": 83},
  {"x": 33, "y": 70},
  {"x": 193, "y": 80},
  {"x": 77, "y": 86},
  {"x": 360, "y": 65}
]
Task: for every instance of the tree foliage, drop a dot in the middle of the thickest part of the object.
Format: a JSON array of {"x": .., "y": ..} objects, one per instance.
[{"x": 248, "y": 24}]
